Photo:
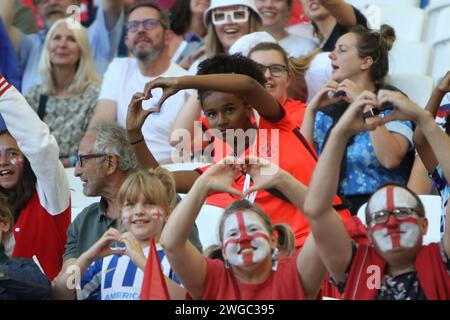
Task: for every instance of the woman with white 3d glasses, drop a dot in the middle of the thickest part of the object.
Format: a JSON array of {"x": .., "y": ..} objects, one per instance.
[{"x": 226, "y": 21}]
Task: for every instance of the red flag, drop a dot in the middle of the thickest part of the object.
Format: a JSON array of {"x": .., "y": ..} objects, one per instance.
[{"x": 154, "y": 285}]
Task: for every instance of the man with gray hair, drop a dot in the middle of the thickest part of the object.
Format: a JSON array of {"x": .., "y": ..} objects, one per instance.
[{"x": 105, "y": 159}]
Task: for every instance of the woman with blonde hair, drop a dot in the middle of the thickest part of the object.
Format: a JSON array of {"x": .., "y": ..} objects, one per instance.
[{"x": 70, "y": 86}]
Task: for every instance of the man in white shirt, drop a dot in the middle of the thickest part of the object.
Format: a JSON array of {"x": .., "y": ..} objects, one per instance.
[{"x": 147, "y": 38}]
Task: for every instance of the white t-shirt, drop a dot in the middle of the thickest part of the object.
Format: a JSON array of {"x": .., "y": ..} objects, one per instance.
[
  {"x": 296, "y": 46},
  {"x": 122, "y": 80},
  {"x": 318, "y": 74}
]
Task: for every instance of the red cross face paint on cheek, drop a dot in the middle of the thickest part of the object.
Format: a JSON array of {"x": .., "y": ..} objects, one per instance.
[
  {"x": 246, "y": 241},
  {"x": 393, "y": 235}
]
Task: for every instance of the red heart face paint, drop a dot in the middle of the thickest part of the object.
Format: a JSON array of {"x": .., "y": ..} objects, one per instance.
[
  {"x": 394, "y": 223},
  {"x": 246, "y": 241}
]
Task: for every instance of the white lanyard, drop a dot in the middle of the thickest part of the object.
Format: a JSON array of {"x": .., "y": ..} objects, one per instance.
[{"x": 250, "y": 197}]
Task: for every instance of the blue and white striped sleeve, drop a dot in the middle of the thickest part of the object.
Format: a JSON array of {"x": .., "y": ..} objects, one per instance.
[{"x": 91, "y": 282}]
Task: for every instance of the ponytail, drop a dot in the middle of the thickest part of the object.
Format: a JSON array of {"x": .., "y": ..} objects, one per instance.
[{"x": 285, "y": 239}]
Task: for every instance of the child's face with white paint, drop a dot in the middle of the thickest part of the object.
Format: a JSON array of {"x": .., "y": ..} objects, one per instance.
[
  {"x": 395, "y": 224},
  {"x": 143, "y": 218},
  {"x": 246, "y": 241},
  {"x": 11, "y": 162}
]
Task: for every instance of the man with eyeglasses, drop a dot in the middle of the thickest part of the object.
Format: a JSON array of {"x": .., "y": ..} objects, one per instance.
[
  {"x": 104, "y": 34},
  {"x": 397, "y": 265},
  {"x": 147, "y": 39}
]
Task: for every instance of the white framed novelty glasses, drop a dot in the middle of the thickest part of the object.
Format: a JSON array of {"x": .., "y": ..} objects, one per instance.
[{"x": 239, "y": 15}]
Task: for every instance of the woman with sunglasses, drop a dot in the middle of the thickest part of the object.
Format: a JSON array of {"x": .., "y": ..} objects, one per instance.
[{"x": 34, "y": 182}]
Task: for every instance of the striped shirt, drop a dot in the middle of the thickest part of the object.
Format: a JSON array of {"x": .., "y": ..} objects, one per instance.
[{"x": 116, "y": 277}]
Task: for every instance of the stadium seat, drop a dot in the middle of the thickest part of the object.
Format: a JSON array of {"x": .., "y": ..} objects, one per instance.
[
  {"x": 408, "y": 22},
  {"x": 432, "y": 206},
  {"x": 441, "y": 45},
  {"x": 432, "y": 11},
  {"x": 409, "y": 57},
  {"x": 361, "y": 4},
  {"x": 417, "y": 87}
]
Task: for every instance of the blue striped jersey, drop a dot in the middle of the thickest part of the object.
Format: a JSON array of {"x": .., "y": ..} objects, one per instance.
[{"x": 116, "y": 277}]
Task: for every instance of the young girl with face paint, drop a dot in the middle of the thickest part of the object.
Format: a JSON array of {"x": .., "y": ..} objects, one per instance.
[
  {"x": 396, "y": 265},
  {"x": 34, "y": 182},
  {"x": 257, "y": 261},
  {"x": 145, "y": 198},
  {"x": 230, "y": 87}
]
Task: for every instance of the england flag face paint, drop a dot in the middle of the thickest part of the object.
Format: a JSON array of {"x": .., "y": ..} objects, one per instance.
[
  {"x": 246, "y": 241},
  {"x": 11, "y": 166},
  {"x": 393, "y": 224}
]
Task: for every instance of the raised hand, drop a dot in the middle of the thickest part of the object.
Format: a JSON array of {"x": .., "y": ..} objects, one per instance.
[
  {"x": 134, "y": 249},
  {"x": 136, "y": 115},
  {"x": 352, "y": 121},
  {"x": 351, "y": 89},
  {"x": 220, "y": 177},
  {"x": 444, "y": 84},
  {"x": 168, "y": 85},
  {"x": 324, "y": 96},
  {"x": 265, "y": 174},
  {"x": 404, "y": 108},
  {"x": 102, "y": 248}
]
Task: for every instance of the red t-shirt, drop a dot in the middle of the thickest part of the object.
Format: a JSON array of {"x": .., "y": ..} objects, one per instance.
[
  {"x": 292, "y": 153},
  {"x": 282, "y": 284}
]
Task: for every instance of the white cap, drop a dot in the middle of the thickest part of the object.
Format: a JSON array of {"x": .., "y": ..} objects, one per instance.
[
  {"x": 246, "y": 43},
  {"x": 228, "y": 3}
]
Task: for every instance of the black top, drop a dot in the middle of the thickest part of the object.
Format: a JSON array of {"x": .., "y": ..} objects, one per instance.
[{"x": 339, "y": 30}]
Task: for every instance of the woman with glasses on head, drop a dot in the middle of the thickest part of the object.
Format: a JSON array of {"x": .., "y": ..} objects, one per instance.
[
  {"x": 34, "y": 182},
  {"x": 66, "y": 99}
]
